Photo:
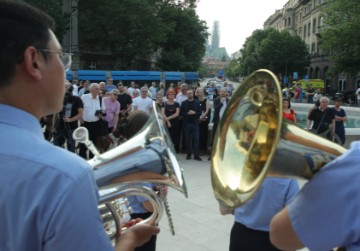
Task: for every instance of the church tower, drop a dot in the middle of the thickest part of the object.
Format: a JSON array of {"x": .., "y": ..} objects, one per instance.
[{"x": 215, "y": 36}]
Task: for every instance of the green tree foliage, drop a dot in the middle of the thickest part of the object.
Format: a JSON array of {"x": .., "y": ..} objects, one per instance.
[
  {"x": 185, "y": 44},
  {"x": 127, "y": 29},
  {"x": 275, "y": 50},
  {"x": 232, "y": 71},
  {"x": 54, "y": 9},
  {"x": 341, "y": 35},
  {"x": 136, "y": 29}
]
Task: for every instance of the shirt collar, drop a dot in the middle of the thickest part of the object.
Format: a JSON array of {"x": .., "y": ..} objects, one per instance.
[{"x": 19, "y": 118}]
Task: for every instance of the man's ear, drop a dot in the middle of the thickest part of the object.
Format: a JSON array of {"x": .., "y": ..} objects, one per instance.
[{"x": 33, "y": 62}]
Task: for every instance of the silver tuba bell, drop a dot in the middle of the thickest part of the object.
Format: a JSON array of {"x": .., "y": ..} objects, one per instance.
[{"x": 147, "y": 157}]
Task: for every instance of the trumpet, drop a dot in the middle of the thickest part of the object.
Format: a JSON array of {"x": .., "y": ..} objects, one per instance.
[
  {"x": 253, "y": 140},
  {"x": 147, "y": 157}
]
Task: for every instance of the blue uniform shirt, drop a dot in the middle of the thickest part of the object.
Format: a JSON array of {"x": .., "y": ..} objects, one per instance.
[
  {"x": 326, "y": 212},
  {"x": 48, "y": 197},
  {"x": 272, "y": 196},
  {"x": 136, "y": 201}
]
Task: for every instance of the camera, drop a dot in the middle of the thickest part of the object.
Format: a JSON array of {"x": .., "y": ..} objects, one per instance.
[{"x": 100, "y": 113}]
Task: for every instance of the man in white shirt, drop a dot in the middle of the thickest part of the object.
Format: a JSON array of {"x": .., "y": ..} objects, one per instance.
[
  {"x": 358, "y": 96},
  {"x": 90, "y": 118},
  {"x": 182, "y": 95},
  {"x": 143, "y": 102},
  {"x": 153, "y": 90},
  {"x": 75, "y": 91},
  {"x": 85, "y": 88},
  {"x": 132, "y": 88}
]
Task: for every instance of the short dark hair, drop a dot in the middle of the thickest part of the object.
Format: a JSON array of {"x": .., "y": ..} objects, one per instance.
[{"x": 21, "y": 26}]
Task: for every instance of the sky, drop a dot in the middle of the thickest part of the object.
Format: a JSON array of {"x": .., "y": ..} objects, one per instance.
[{"x": 237, "y": 18}]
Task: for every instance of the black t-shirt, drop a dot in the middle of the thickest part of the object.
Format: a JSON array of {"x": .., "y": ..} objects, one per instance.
[
  {"x": 170, "y": 109},
  {"x": 70, "y": 109},
  {"x": 317, "y": 116},
  {"x": 124, "y": 100}
]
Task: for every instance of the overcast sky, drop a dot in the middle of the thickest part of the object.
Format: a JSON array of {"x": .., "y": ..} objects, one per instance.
[{"x": 237, "y": 18}]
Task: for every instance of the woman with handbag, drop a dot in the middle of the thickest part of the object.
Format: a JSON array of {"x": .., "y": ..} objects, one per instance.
[{"x": 112, "y": 110}]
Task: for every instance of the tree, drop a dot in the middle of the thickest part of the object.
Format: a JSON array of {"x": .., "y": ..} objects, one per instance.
[
  {"x": 340, "y": 35},
  {"x": 54, "y": 9},
  {"x": 277, "y": 51},
  {"x": 126, "y": 29},
  {"x": 185, "y": 44},
  {"x": 232, "y": 71}
]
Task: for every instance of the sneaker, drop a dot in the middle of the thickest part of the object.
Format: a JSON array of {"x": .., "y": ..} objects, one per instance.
[
  {"x": 198, "y": 158},
  {"x": 188, "y": 157}
]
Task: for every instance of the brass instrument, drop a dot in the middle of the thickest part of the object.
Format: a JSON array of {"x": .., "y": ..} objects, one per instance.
[
  {"x": 148, "y": 157},
  {"x": 253, "y": 141}
]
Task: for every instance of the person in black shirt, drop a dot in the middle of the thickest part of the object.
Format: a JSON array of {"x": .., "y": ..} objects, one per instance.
[
  {"x": 310, "y": 92},
  {"x": 191, "y": 111},
  {"x": 323, "y": 119},
  {"x": 124, "y": 100},
  {"x": 66, "y": 121},
  {"x": 171, "y": 111}
]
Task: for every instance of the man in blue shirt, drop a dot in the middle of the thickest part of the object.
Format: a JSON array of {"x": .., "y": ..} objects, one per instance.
[
  {"x": 48, "y": 196},
  {"x": 325, "y": 214},
  {"x": 252, "y": 221}
]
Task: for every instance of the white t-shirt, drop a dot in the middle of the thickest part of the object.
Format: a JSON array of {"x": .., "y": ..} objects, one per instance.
[
  {"x": 131, "y": 91},
  {"x": 180, "y": 98},
  {"x": 143, "y": 104},
  {"x": 91, "y": 105},
  {"x": 358, "y": 93},
  {"x": 75, "y": 91},
  {"x": 153, "y": 92}
]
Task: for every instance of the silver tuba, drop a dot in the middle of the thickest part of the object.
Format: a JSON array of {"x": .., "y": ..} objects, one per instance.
[{"x": 147, "y": 157}]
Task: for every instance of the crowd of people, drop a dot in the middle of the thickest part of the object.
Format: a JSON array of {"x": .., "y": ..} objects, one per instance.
[
  {"x": 104, "y": 108},
  {"x": 48, "y": 195}
]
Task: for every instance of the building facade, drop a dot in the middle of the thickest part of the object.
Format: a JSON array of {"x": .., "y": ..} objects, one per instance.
[{"x": 304, "y": 18}]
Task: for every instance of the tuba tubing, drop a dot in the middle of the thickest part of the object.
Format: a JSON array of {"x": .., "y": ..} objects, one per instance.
[
  {"x": 147, "y": 157},
  {"x": 125, "y": 191},
  {"x": 253, "y": 141}
]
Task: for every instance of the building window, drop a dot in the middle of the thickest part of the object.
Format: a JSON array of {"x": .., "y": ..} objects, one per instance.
[
  {"x": 92, "y": 66},
  {"x": 305, "y": 31},
  {"x": 342, "y": 85},
  {"x": 321, "y": 21},
  {"x": 314, "y": 26},
  {"x": 309, "y": 28},
  {"x": 306, "y": 10}
]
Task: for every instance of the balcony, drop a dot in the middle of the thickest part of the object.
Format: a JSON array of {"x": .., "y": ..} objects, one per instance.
[{"x": 303, "y": 1}]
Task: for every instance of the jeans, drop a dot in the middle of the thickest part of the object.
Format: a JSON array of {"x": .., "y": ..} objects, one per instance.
[{"x": 191, "y": 132}]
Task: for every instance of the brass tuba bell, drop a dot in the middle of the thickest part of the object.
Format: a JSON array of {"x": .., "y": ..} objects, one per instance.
[
  {"x": 253, "y": 141},
  {"x": 148, "y": 157}
]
